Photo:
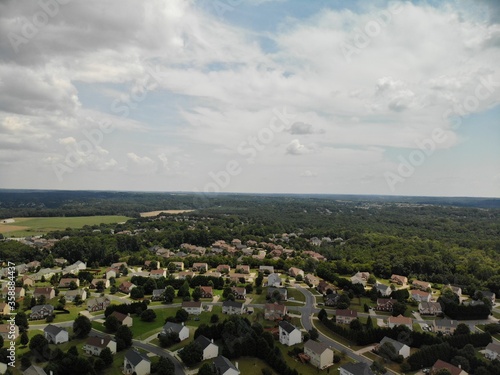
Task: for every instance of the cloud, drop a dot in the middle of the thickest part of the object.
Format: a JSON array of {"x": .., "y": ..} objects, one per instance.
[{"x": 296, "y": 148}]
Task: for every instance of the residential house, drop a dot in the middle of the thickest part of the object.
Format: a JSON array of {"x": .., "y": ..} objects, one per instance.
[
  {"x": 55, "y": 335},
  {"x": 70, "y": 295},
  {"x": 66, "y": 281},
  {"x": 95, "y": 344},
  {"x": 385, "y": 304},
  {"x": 320, "y": 354},
  {"x": 420, "y": 296},
  {"x": 360, "y": 278},
  {"x": 98, "y": 304},
  {"x": 331, "y": 299},
  {"x": 315, "y": 241},
  {"x": 124, "y": 319},
  {"x": 47, "y": 292},
  {"x": 45, "y": 273},
  {"x": 180, "y": 329},
  {"x": 193, "y": 307},
  {"x": 41, "y": 311},
  {"x": 179, "y": 266},
  {"x": 243, "y": 269},
  {"x": 60, "y": 262},
  {"x": 159, "y": 273},
  {"x": 34, "y": 264},
  {"x": 209, "y": 349},
  {"x": 224, "y": 268},
  {"x": 399, "y": 280},
  {"x": 4, "y": 308},
  {"x": 232, "y": 307},
  {"x": 359, "y": 368},
  {"x": 422, "y": 285},
  {"x": 274, "y": 311},
  {"x": 34, "y": 370},
  {"x": 288, "y": 334},
  {"x": 266, "y": 269},
  {"x": 224, "y": 366},
  {"x": 158, "y": 295},
  {"x": 213, "y": 274},
  {"x": 485, "y": 294},
  {"x": 136, "y": 363},
  {"x": 238, "y": 277},
  {"x": 28, "y": 280},
  {"x": 325, "y": 287},
  {"x": 401, "y": 349},
  {"x": 311, "y": 279},
  {"x": 75, "y": 268},
  {"x": 492, "y": 351},
  {"x": 119, "y": 265},
  {"x": 430, "y": 308},
  {"x": 282, "y": 292},
  {"x": 200, "y": 267},
  {"x": 206, "y": 292},
  {"x": 274, "y": 280},
  {"x": 294, "y": 272},
  {"x": 111, "y": 272},
  {"x": 455, "y": 289},
  {"x": 384, "y": 290},
  {"x": 126, "y": 287},
  {"x": 454, "y": 370},
  {"x": 105, "y": 282},
  {"x": 345, "y": 316},
  {"x": 445, "y": 326},
  {"x": 239, "y": 292},
  {"x": 185, "y": 274},
  {"x": 5, "y": 331},
  {"x": 400, "y": 320}
]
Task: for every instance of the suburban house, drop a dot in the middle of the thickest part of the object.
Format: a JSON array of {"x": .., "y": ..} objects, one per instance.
[
  {"x": 75, "y": 268},
  {"x": 232, "y": 307},
  {"x": 445, "y": 326},
  {"x": 97, "y": 304},
  {"x": 4, "y": 308},
  {"x": 209, "y": 349},
  {"x": 65, "y": 282},
  {"x": 359, "y": 368},
  {"x": 323, "y": 287},
  {"x": 5, "y": 331},
  {"x": 266, "y": 269},
  {"x": 34, "y": 370},
  {"x": 156, "y": 274},
  {"x": 94, "y": 345},
  {"x": 27, "y": 280},
  {"x": 288, "y": 334},
  {"x": 60, "y": 261},
  {"x": 193, "y": 307},
  {"x": 185, "y": 274},
  {"x": 294, "y": 272},
  {"x": 49, "y": 293},
  {"x": 492, "y": 351},
  {"x": 282, "y": 291},
  {"x": 383, "y": 289},
  {"x": 274, "y": 280},
  {"x": 485, "y": 294},
  {"x": 311, "y": 280},
  {"x": 71, "y": 295},
  {"x": 180, "y": 329},
  {"x": 41, "y": 311},
  {"x": 385, "y": 304},
  {"x": 136, "y": 363},
  {"x": 55, "y": 334},
  {"x": 420, "y": 296},
  {"x": 239, "y": 292},
  {"x": 206, "y": 292},
  {"x": 430, "y": 308},
  {"x": 200, "y": 267},
  {"x": 157, "y": 294},
  {"x": 243, "y": 269},
  {"x": 224, "y": 366},
  {"x": 179, "y": 266},
  {"x": 224, "y": 268},
  {"x": 331, "y": 299},
  {"x": 320, "y": 354},
  {"x": 126, "y": 287},
  {"x": 455, "y": 289},
  {"x": 401, "y": 349},
  {"x": 119, "y": 265},
  {"x": 94, "y": 282},
  {"x": 19, "y": 292},
  {"x": 399, "y": 280},
  {"x": 111, "y": 272},
  {"x": 454, "y": 370},
  {"x": 422, "y": 285},
  {"x": 360, "y": 278},
  {"x": 345, "y": 316},
  {"x": 400, "y": 320},
  {"x": 125, "y": 320},
  {"x": 274, "y": 311}
]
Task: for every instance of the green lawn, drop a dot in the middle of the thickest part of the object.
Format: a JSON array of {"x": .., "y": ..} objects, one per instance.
[
  {"x": 389, "y": 365},
  {"x": 325, "y": 331},
  {"x": 357, "y": 304},
  {"x": 297, "y": 295}
]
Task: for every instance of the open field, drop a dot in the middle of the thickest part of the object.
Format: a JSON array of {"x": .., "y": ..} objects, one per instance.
[
  {"x": 32, "y": 226},
  {"x": 156, "y": 213}
]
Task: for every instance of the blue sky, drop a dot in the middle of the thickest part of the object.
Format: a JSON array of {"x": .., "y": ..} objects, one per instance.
[{"x": 252, "y": 96}]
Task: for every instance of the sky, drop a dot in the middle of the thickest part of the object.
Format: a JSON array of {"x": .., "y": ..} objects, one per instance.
[{"x": 254, "y": 96}]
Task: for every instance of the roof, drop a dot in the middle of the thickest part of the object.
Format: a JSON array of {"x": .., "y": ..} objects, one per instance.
[
  {"x": 446, "y": 323},
  {"x": 359, "y": 368},
  {"x": 100, "y": 342},
  {"x": 119, "y": 316},
  {"x": 494, "y": 347},
  {"x": 419, "y": 292},
  {"x": 173, "y": 327},
  {"x": 191, "y": 304},
  {"x": 275, "y": 306},
  {"x": 223, "y": 364},
  {"x": 43, "y": 290},
  {"x": 442, "y": 364},
  {"x": 397, "y": 345},
  {"x": 34, "y": 370},
  {"x": 383, "y": 301},
  {"x": 347, "y": 312},
  {"x": 41, "y": 307},
  {"x": 316, "y": 347},
  {"x": 158, "y": 292},
  {"x": 134, "y": 357},
  {"x": 203, "y": 341},
  {"x": 400, "y": 319},
  {"x": 287, "y": 327},
  {"x": 53, "y": 330},
  {"x": 238, "y": 305}
]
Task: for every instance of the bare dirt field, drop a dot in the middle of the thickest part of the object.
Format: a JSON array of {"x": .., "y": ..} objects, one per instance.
[{"x": 156, "y": 213}]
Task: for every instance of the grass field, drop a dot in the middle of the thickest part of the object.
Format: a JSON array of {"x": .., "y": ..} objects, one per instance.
[{"x": 32, "y": 226}]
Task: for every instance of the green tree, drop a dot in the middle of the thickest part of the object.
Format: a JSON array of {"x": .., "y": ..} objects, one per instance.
[
  {"x": 355, "y": 325},
  {"x": 462, "y": 329},
  {"x": 123, "y": 337},
  {"x": 322, "y": 315},
  {"x": 106, "y": 356},
  {"x": 39, "y": 345},
  {"x": 191, "y": 354},
  {"x": 183, "y": 290},
  {"x": 21, "y": 321},
  {"x": 214, "y": 318},
  {"x": 196, "y": 294},
  {"x": 169, "y": 294},
  {"x": 181, "y": 315},
  {"x": 148, "y": 315},
  {"x": 111, "y": 323},
  {"x": 137, "y": 292},
  {"x": 72, "y": 285},
  {"x": 165, "y": 367},
  {"x": 24, "y": 338},
  {"x": 206, "y": 369},
  {"x": 82, "y": 326},
  {"x": 313, "y": 334}
]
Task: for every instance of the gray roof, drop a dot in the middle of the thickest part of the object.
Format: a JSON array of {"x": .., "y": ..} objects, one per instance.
[
  {"x": 172, "y": 327},
  {"x": 397, "y": 345},
  {"x": 222, "y": 364},
  {"x": 158, "y": 292},
  {"x": 34, "y": 370},
  {"x": 203, "y": 341},
  {"x": 359, "y": 368},
  {"x": 238, "y": 305},
  {"x": 316, "y": 347},
  {"x": 53, "y": 330},
  {"x": 135, "y": 357},
  {"x": 37, "y": 308},
  {"x": 286, "y": 326},
  {"x": 446, "y": 323}
]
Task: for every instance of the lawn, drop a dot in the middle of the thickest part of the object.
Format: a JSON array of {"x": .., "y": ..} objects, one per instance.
[
  {"x": 32, "y": 226},
  {"x": 296, "y": 295},
  {"x": 389, "y": 365},
  {"x": 325, "y": 331},
  {"x": 357, "y": 304}
]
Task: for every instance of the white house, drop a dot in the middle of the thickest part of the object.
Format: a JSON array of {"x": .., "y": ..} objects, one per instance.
[
  {"x": 359, "y": 368},
  {"x": 55, "y": 334},
  {"x": 420, "y": 296},
  {"x": 34, "y": 370},
  {"x": 400, "y": 320},
  {"x": 232, "y": 307},
  {"x": 94, "y": 345},
  {"x": 224, "y": 366},
  {"x": 288, "y": 334},
  {"x": 401, "y": 349},
  {"x": 136, "y": 363},
  {"x": 274, "y": 279},
  {"x": 193, "y": 307},
  {"x": 384, "y": 290},
  {"x": 210, "y": 350},
  {"x": 124, "y": 319},
  {"x": 319, "y": 353},
  {"x": 492, "y": 351},
  {"x": 180, "y": 329},
  {"x": 71, "y": 295}
]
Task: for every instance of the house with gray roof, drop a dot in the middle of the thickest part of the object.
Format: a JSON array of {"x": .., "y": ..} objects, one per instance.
[
  {"x": 209, "y": 349},
  {"x": 289, "y": 334},
  {"x": 136, "y": 363},
  {"x": 401, "y": 349},
  {"x": 180, "y": 329},
  {"x": 34, "y": 370},
  {"x": 224, "y": 366},
  {"x": 41, "y": 312},
  {"x": 359, "y": 368},
  {"x": 55, "y": 334}
]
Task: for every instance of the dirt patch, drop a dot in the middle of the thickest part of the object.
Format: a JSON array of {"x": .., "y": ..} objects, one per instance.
[
  {"x": 156, "y": 213},
  {"x": 11, "y": 228}
]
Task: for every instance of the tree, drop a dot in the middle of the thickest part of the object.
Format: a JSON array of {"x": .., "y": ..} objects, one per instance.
[
  {"x": 165, "y": 367},
  {"x": 181, "y": 315},
  {"x": 72, "y": 285},
  {"x": 206, "y": 369},
  {"x": 73, "y": 351},
  {"x": 82, "y": 326},
  {"x": 123, "y": 337},
  {"x": 39, "y": 345},
  {"x": 137, "y": 292},
  {"x": 355, "y": 325},
  {"x": 378, "y": 367},
  {"x": 183, "y": 290},
  {"x": 196, "y": 294},
  {"x": 100, "y": 286},
  {"x": 398, "y": 308},
  {"x": 24, "y": 339},
  {"x": 322, "y": 315},
  {"x": 21, "y": 321},
  {"x": 313, "y": 334},
  {"x": 111, "y": 323},
  {"x": 148, "y": 315},
  {"x": 106, "y": 356},
  {"x": 369, "y": 323},
  {"x": 462, "y": 329},
  {"x": 169, "y": 294},
  {"x": 168, "y": 339},
  {"x": 299, "y": 278},
  {"x": 214, "y": 318},
  {"x": 191, "y": 354},
  {"x": 343, "y": 302}
]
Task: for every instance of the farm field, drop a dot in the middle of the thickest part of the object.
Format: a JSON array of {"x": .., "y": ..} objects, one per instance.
[{"x": 33, "y": 226}]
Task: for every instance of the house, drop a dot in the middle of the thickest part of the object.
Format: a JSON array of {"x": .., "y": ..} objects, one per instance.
[
  {"x": 430, "y": 308},
  {"x": 400, "y": 320},
  {"x": 492, "y": 351},
  {"x": 180, "y": 329},
  {"x": 420, "y": 296},
  {"x": 224, "y": 268},
  {"x": 60, "y": 261},
  {"x": 399, "y": 280},
  {"x": 311, "y": 280},
  {"x": 232, "y": 307},
  {"x": 455, "y": 289},
  {"x": 34, "y": 264},
  {"x": 49, "y": 293},
  {"x": 385, "y": 304},
  {"x": 274, "y": 280},
  {"x": 126, "y": 287},
  {"x": 136, "y": 363},
  {"x": 193, "y": 307},
  {"x": 454, "y": 370},
  {"x": 119, "y": 265},
  {"x": 185, "y": 274},
  {"x": 95, "y": 344},
  {"x": 97, "y": 304},
  {"x": 70, "y": 295},
  {"x": 294, "y": 272},
  {"x": 45, "y": 273},
  {"x": 266, "y": 269},
  {"x": 288, "y": 334},
  {"x": 331, "y": 299},
  {"x": 359, "y": 368},
  {"x": 4, "y": 308},
  {"x": 282, "y": 292},
  {"x": 55, "y": 334},
  {"x": 325, "y": 287},
  {"x": 34, "y": 370},
  {"x": 485, "y": 294},
  {"x": 41, "y": 312},
  {"x": 178, "y": 266},
  {"x": 401, "y": 349},
  {"x": 384, "y": 290},
  {"x": 105, "y": 282},
  {"x": 209, "y": 349},
  {"x": 66, "y": 281},
  {"x": 75, "y": 268},
  {"x": 111, "y": 272},
  {"x": 315, "y": 241},
  {"x": 274, "y": 311},
  {"x": 156, "y": 274},
  {"x": 243, "y": 269},
  {"x": 422, "y": 285},
  {"x": 206, "y": 292},
  {"x": 445, "y": 326},
  {"x": 5, "y": 331},
  {"x": 224, "y": 366},
  {"x": 360, "y": 278},
  {"x": 345, "y": 316},
  {"x": 200, "y": 267},
  {"x": 238, "y": 292},
  {"x": 28, "y": 280},
  {"x": 319, "y": 353},
  {"x": 124, "y": 319},
  {"x": 157, "y": 295}
]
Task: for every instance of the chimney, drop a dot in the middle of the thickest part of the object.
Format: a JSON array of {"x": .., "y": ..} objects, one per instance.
[
  {"x": 102, "y": 341},
  {"x": 212, "y": 341},
  {"x": 236, "y": 365}
]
